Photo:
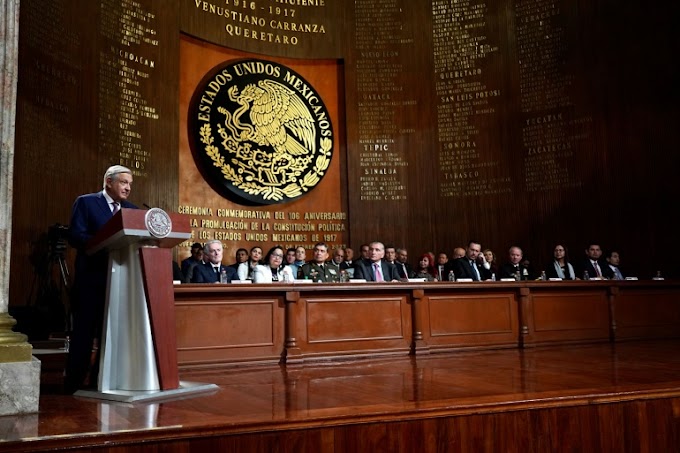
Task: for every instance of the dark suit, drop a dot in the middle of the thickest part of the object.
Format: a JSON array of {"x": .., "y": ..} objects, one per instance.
[
  {"x": 176, "y": 272},
  {"x": 90, "y": 212},
  {"x": 329, "y": 273},
  {"x": 587, "y": 265},
  {"x": 345, "y": 265},
  {"x": 509, "y": 270},
  {"x": 204, "y": 273},
  {"x": 463, "y": 269},
  {"x": 364, "y": 270},
  {"x": 404, "y": 270},
  {"x": 188, "y": 265}
]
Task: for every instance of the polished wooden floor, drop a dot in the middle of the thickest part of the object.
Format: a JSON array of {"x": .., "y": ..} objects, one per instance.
[{"x": 598, "y": 397}]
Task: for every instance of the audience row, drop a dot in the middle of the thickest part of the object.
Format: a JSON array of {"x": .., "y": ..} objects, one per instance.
[{"x": 380, "y": 263}]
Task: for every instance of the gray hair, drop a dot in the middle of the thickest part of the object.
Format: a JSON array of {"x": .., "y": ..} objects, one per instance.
[
  {"x": 113, "y": 172},
  {"x": 206, "y": 247}
]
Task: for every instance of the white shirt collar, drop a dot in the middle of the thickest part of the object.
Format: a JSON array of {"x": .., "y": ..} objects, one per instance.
[{"x": 108, "y": 198}]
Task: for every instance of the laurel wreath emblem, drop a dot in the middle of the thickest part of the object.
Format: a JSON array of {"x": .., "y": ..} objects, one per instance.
[{"x": 236, "y": 147}]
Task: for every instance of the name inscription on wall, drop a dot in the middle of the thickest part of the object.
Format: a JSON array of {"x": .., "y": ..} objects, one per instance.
[
  {"x": 53, "y": 80},
  {"x": 468, "y": 92},
  {"x": 552, "y": 129},
  {"x": 286, "y": 22},
  {"x": 127, "y": 70},
  {"x": 382, "y": 99}
]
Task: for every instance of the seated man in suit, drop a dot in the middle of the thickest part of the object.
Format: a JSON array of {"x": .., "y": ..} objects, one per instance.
[
  {"x": 390, "y": 254},
  {"x": 300, "y": 259},
  {"x": 593, "y": 264},
  {"x": 515, "y": 266},
  {"x": 348, "y": 263},
  {"x": 90, "y": 213},
  {"x": 188, "y": 264},
  {"x": 213, "y": 271},
  {"x": 375, "y": 269},
  {"x": 458, "y": 253},
  {"x": 242, "y": 256},
  {"x": 338, "y": 256},
  {"x": 614, "y": 260},
  {"x": 318, "y": 269},
  {"x": 404, "y": 269},
  {"x": 472, "y": 265}
]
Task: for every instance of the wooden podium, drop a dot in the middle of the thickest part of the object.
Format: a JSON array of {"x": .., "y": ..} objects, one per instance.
[{"x": 139, "y": 345}]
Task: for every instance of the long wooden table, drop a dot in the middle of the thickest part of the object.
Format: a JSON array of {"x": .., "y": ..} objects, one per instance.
[{"x": 226, "y": 325}]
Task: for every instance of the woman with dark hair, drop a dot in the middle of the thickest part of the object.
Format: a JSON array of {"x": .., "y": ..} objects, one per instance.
[
  {"x": 425, "y": 267},
  {"x": 273, "y": 269},
  {"x": 490, "y": 258},
  {"x": 560, "y": 266},
  {"x": 246, "y": 269}
]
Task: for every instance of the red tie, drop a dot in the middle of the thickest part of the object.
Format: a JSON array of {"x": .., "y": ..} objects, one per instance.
[
  {"x": 597, "y": 269},
  {"x": 378, "y": 273}
]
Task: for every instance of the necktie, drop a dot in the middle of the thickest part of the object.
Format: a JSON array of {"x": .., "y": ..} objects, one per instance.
[
  {"x": 403, "y": 266},
  {"x": 216, "y": 269},
  {"x": 475, "y": 272},
  {"x": 116, "y": 207},
  {"x": 597, "y": 269},
  {"x": 378, "y": 272}
]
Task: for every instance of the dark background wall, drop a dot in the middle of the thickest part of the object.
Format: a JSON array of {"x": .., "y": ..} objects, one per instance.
[{"x": 523, "y": 122}]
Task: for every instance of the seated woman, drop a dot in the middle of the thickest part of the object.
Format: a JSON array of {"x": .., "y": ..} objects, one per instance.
[
  {"x": 560, "y": 266},
  {"x": 425, "y": 268},
  {"x": 273, "y": 269},
  {"x": 490, "y": 258},
  {"x": 245, "y": 269}
]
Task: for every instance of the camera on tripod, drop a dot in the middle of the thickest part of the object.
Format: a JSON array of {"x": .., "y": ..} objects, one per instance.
[{"x": 57, "y": 236}]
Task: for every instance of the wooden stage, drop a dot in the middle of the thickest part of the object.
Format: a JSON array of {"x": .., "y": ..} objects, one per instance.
[{"x": 602, "y": 397}]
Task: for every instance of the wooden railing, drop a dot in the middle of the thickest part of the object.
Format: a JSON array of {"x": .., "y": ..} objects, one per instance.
[{"x": 223, "y": 325}]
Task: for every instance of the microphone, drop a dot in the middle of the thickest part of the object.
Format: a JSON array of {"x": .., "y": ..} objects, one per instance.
[{"x": 146, "y": 206}]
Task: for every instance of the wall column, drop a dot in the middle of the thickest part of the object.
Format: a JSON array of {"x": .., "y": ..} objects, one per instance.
[{"x": 19, "y": 372}]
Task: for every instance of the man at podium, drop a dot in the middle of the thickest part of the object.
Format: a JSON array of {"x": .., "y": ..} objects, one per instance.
[{"x": 90, "y": 212}]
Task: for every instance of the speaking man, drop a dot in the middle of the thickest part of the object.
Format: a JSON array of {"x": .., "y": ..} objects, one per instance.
[{"x": 90, "y": 212}]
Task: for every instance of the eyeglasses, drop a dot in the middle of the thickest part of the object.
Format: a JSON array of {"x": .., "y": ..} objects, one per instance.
[{"x": 277, "y": 255}]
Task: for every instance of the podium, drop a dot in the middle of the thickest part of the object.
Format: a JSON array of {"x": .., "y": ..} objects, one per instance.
[{"x": 138, "y": 360}]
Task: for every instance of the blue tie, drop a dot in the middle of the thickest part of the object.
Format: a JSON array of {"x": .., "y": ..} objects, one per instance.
[{"x": 475, "y": 275}]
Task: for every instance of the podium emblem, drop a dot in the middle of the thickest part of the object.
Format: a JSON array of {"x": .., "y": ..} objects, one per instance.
[
  {"x": 158, "y": 222},
  {"x": 260, "y": 133}
]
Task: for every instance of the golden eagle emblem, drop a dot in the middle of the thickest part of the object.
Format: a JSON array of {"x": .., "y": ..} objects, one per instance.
[{"x": 275, "y": 146}]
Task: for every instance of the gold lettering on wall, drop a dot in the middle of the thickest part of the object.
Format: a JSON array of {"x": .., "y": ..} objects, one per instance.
[
  {"x": 126, "y": 71},
  {"x": 382, "y": 99},
  {"x": 552, "y": 129},
  {"x": 288, "y": 229},
  {"x": 283, "y": 22},
  {"x": 468, "y": 98}
]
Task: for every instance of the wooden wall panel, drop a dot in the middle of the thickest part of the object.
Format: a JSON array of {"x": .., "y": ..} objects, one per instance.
[
  {"x": 222, "y": 329},
  {"x": 196, "y": 59},
  {"x": 463, "y": 319},
  {"x": 612, "y": 426},
  {"x": 653, "y": 318},
  {"x": 564, "y": 312},
  {"x": 97, "y": 87},
  {"x": 346, "y": 325},
  {"x": 523, "y": 122}
]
